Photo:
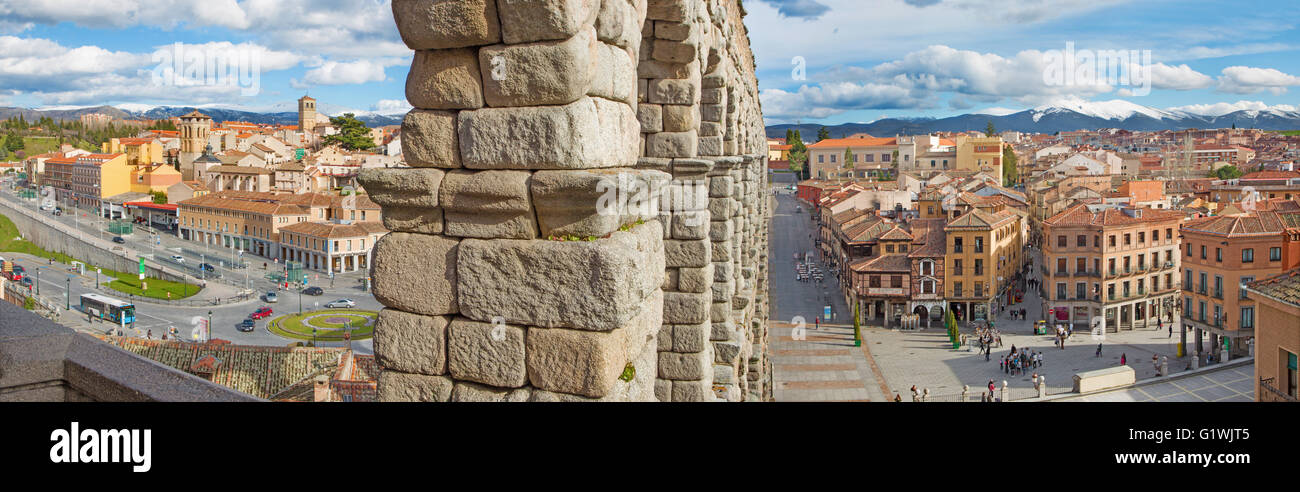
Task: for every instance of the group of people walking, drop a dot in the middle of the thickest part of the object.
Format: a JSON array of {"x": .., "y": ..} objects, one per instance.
[{"x": 1017, "y": 362}]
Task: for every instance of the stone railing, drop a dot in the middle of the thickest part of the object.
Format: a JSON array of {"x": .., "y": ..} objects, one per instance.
[
  {"x": 582, "y": 217},
  {"x": 42, "y": 361}
]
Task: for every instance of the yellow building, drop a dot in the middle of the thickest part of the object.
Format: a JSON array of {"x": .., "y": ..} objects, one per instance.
[
  {"x": 152, "y": 178},
  {"x": 139, "y": 151},
  {"x": 976, "y": 154},
  {"x": 985, "y": 251}
]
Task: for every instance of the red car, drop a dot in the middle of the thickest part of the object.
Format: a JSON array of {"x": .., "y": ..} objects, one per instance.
[{"x": 262, "y": 312}]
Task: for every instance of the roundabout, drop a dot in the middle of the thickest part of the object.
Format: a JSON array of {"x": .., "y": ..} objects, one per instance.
[{"x": 328, "y": 325}]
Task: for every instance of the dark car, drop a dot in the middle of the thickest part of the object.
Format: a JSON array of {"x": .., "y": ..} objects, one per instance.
[
  {"x": 119, "y": 240},
  {"x": 314, "y": 291},
  {"x": 19, "y": 269},
  {"x": 27, "y": 282},
  {"x": 207, "y": 267},
  {"x": 247, "y": 325},
  {"x": 262, "y": 312}
]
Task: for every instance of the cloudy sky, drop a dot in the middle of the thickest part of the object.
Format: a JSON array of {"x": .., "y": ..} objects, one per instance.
[{"x": 861, "y": 59}]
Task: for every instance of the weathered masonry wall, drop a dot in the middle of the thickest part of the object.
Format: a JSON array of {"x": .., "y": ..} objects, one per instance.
[{"x": 582, "y": 217}]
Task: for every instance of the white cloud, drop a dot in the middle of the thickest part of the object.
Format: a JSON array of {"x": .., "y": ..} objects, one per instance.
[
  {"x": 391, "y": 106},
  {"x": 1220, "y": 109},
  {"x": 1250, "y": 80},
  {"x": 1180, "y": 78},
  {"x": 348, "y": 72},
  {"x": 834, "y": 98}
]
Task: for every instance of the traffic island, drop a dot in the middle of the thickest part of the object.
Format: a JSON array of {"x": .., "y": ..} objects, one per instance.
[{"x": 328, "y": 325}]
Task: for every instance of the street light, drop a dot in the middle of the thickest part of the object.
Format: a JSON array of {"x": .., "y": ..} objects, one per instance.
[
  {"x": 38, "y": 281},
  {"x": 209, "y": 333},
  {"x": 68, "y": 296}
]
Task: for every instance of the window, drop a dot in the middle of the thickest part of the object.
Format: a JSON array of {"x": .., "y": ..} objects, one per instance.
[
  {"x": 927, "y": 286},
  {"x": 1060, "y": 266},
  {"x": 1291, "y": 375},
  {"x": 896, "y": 281},
  {"x": 1189, "y": 250},
  {"x": 1202, "y": 251},
  {"x": 1060, "y": 291},
  {"x": 956, "y": 248},
  {"x": 979, "y": 266},
  {"x": 1096, "y": 241},
  {"x": 1128, "y": 239},
  {"x": 1169, "y": 234},
  {"x": 1080, "y": 290},
  {"x": 1274, "y": 254},
  {"x": 821, "y": 158},
  {"x": 956, "y": 266},
  {"x": 889, "y": 248},
  {"x": 870, "y": 157},
  {"x": 1200, "y": 310},
  {"x": 1218, "y": 254},
  {"x": 1202, "y": 288},
  {"x": 1081, "y": 241},
  {"x": 979, "y": 289},
  {"x": 1240, "y": 288},
  {"x": 1060, "y": 241},
  {"x": 979, "y": 245},
  {"x": 1081, "y": 265},
  {"x": 832, "y": 158},
  {"x": 1187, "y": 280},
  {"x": 1247, "y": 317},
  {"x": 1142, "y": 237},
  {"x": 1218, "y": 286},
  {"x": 1187, "y": 305},
  {"x": 1248, "y": 255},
  {"x": 874, "y": 281},
  {"x": 956, "y": 289},
  {"x": 1112, "y": 241},
  {"x": 902, "y": 248}
]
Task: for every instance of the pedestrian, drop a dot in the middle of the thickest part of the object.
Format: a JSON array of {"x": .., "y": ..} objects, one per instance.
[
  {"x": 1171, "y": 331},
  {"x": 916, "y": 395},
  {"x": 898, "y": 398},
  {"x": 1002, "y": 363},
  {"x": 1099, "y": 350},
  {"x": 990, "y": 388},
  {"x": 1123, "y": 359},
  {"x": 817, "y": 321},
  {"x": 1155, "y": 362},
  {"x": 149, "y": 334}
]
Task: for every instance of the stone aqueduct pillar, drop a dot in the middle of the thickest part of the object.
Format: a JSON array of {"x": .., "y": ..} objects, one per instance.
[{"x": 585, "y": 216}]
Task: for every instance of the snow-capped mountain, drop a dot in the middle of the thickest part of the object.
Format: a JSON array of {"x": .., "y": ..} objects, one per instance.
[{"x": 1078, "y": 115}]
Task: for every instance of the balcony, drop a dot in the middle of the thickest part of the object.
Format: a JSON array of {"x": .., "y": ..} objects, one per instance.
[
  {"x": 43, "y": 361},
  {"x": 1273, "y": 393}
]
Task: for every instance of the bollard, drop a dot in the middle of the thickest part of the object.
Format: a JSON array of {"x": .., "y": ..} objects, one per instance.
[
  {"x": 1223, "y": 356},
  {"x": 1004, "y": 390},
  {"x": 1196, "y": 361},
  {"x": 965, "y": 392},
  {"x": 1042, "y": 386},
  {"x": 1164, "y": 366}
]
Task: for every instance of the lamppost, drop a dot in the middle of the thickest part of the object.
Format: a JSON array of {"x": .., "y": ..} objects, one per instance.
[
  {"x": 68, "y": 296},
  {"x": 38, "y": 281},
  {"x": 209, "y": 333},
  {"x": 96, "y": 277}
]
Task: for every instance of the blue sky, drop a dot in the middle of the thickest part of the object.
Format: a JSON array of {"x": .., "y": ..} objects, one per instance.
[{"x": 864, "y": 59}]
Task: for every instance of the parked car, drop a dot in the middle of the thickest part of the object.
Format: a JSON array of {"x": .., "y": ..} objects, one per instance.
[
  {"x": 27, "y": 282},
  {"x": 207, "y": 267},
  {"x": 314, "y": 291},
  {"x": 178, "y": 258},
  {"x": 262, "y": 312},
  {"x": 19, "y": 269},
  {"x": 342, "y": 303},
  {"x": 58, "y": 212},
  {"x": 247, "y": 325},
  {"x": 119, "y": 240},
  {"x": 271, "y": 297}
]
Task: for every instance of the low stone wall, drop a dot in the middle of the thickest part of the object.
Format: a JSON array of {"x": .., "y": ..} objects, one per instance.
[
  {"x": 55, "y": 240},
  {"x": 581, "y": 220},
  {"x": 1101, "y": 379}
]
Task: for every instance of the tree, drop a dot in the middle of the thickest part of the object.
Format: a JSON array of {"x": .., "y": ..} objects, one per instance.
[
  {"x": 797, "y": 159},
  {"x": 848, "y": 158},
  {"x": 789, "y": 135},
  {"x": 823, "y": 134},
  {"x": 352, "y": 135},
  {"x": 798, "y": 148},
  {"x": 1010, "y": 173},
  {"x": 159, "y": 197},
  {"x": 1226, "y": 172},
  {"x": 857, "y": 330},
  {"x": 989, "y": 131}
]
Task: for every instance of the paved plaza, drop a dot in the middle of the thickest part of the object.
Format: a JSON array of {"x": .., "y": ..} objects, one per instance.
[
  {"x": 1227, "y": 383},
  {"x": 825, "y": 365}
]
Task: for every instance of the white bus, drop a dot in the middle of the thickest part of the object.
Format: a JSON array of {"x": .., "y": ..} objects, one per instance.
[{"x": 109, "y": 309}]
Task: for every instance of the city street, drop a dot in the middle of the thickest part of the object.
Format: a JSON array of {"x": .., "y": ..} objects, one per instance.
[
  {"x": 157, "y": 315},
  {"x": 825, "y": 366}
]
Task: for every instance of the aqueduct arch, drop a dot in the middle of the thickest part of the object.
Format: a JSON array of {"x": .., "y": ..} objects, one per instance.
[{"x": 508, "y": 275}]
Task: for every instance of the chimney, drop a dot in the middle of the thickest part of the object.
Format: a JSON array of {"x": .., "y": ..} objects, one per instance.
[{"x": 321, "y": 389}]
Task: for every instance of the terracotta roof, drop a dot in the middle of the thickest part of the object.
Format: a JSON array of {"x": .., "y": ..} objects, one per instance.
[
  {"x": 1259, "y": 222},
  {"x": 227, "y": 169},
  {"x": 834, "y": 143},
  {"x": 979, "y": 219},
  {"x": 896, "y": 234},
  {"x": 223, "y": 201},
  {"x": 1079, "y": 214},
  {"x": 331, "y": 230},
  {"x": 929, "y": 238},
  {"x": 884, "y": 263},
  {"x": 1272, "y": 175},
  {"x": 1283, "y": 288},
  {"x": 134, "y": 141},
  {"x": 196, "y": 114}
]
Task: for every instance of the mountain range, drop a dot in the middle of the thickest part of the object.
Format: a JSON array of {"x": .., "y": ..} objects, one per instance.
[
  {"x": 279, "y": 114},
  {"x": 1064, "y": 117}
]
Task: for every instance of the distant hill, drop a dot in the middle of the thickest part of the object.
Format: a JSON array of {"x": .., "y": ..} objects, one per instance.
[
  {"x": 161, "y": 112},
  {"x": 1051, "y": 119}
]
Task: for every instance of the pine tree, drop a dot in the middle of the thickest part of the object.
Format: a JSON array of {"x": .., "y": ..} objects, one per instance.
[
  {"x": 823, "y": 134},
  {"x": 989, "y": 131}
]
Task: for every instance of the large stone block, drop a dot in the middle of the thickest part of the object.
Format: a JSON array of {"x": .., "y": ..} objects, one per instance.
[
  {"x": 397, "y": 187},
  {"x": 588, "y": 133},
  {"x": 615, "y": 74},
  {"x": 392, "y": 386},
  {"x": 445, "y": 79},
  {"x": 726, "y": 353},
  {"x": 411, "y": 219},
  {"x": 429, "y": 139},
  {"x": 540, "y": 20},
  {"x": 711, "y": 146},
  {"x": 694, "y": 391},
  {"x": 442, "y": 24},
  {"x": 673, "y": 51},
  {"x": 595, "y": 202},
  {"x": 693, "y": 253},
  {"x": 590, "y": 285},
  {"x": 696, "y": 280},
  {"x": 679, "y": 118},
  {"x": 684, "y": 367},
  {"x": 478, "y": 393},
  {"x": 616, "y": 23},
  {"x": 669, "y": 10},
  {"x": 411, "y": 343},
  {"x": 650, "y": 116},
  {"x": 690, "y": 225},
  {"x": 721, "y": 186},
  {"x": 543, "y": 73},
  {"x": 671, "y": 144},
  {"x": 656, "y": 69},
  {"x": 676, "y": 31},
  {"x": 674, "y": 91},
  {"x": 589, "y": 363},
  {"x": 686, "y": 307},
  {"x": 691, "y": 338},
  {"x": 416, "y": 273},
  {"x": 487, "y": 353},
  {"x": 488, "y": 204}
]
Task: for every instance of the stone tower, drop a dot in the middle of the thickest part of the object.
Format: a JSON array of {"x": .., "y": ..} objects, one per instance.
[
  {"x": 195, "y": 127},
  {"x": 306, "y": 116},
  {"x": 586, "y": 213}
]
